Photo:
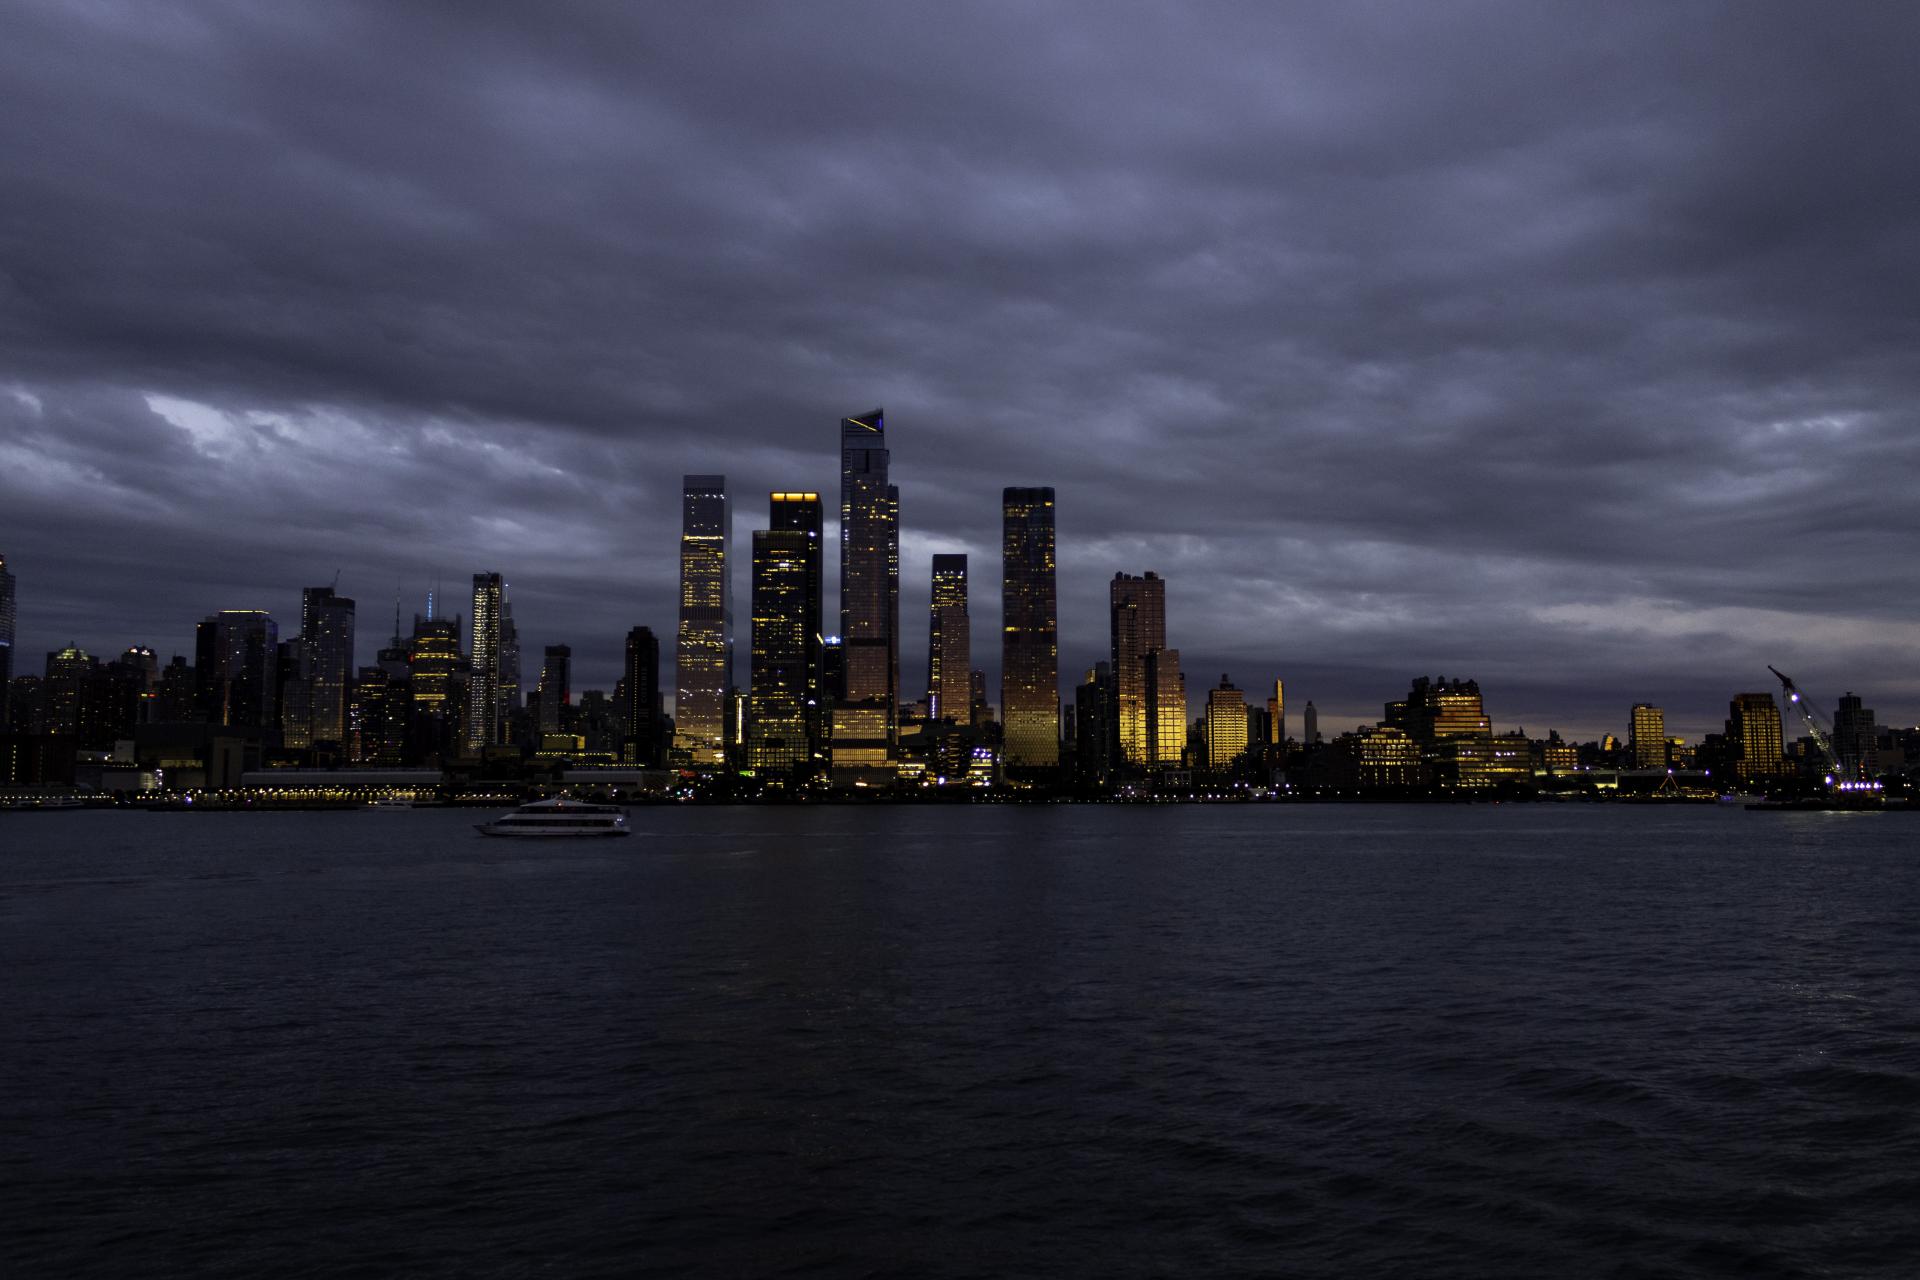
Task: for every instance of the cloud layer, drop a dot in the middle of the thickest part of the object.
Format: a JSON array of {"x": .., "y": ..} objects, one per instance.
[{"x": 1572, "y": 350}]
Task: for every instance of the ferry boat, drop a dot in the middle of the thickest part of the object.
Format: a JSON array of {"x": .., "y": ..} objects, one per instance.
[{"x": 560, "y": 818}]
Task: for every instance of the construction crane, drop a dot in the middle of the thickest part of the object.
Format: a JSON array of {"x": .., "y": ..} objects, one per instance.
[{"x": 1820, "y": 736}]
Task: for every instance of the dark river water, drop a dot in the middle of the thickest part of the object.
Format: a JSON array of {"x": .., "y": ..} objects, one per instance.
[{"x": 1090, "y": 1041}]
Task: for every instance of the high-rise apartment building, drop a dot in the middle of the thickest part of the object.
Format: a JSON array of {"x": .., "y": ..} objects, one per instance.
[
  {"x": 642, "y": 712},
  {"x": 1753, "y": 732},
  {"x": 483, "y": 727},
  {"x": 1029, "y": 635},
  {"x": 783, "y": 694},
  {"x": 1137, "y": 627},
  {"x": 237, "y": 669},
  {"x": 1856, "y": 738},
  {"x": 1226, "y": 725},
  {"x": 703, "y": 649},
  {"x": 326, "y": 652},
  {"x": 1647, "y": 736},
  {"x": 869, "y": 585},
  {"x": 949, "y": 643}
]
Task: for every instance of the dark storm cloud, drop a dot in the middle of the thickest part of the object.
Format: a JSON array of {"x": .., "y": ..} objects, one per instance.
[{"x": 1571, "y": 349}]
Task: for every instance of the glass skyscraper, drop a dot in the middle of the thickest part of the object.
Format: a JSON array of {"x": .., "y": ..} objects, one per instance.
[
  {"x": 1029, "y": 636},
  {"x": 783, "y": 695},
  {"x": 949, "y": 643},
  {"x": 866, "y": 722},
  {"x": 641, "y": 688},
  {"x": 1137, "y": 627},
  {"x": 703, "y": 650},
  {"x": 483, "y": 728},
  {"x": 237, "y": 669},
  {"x": 326, "y": 648}
]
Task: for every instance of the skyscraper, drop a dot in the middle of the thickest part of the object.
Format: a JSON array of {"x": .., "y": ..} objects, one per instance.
[
  {"x": 784, "y": 685},
  {"x": 1226, "y": 725},
  {"x": 6, "y": 636},
  {"x": 1137, "y": 626},
  {"x": 703, "y": 650},
  {"x": 1277, "y": 715},
  {"x": 1029, "y": 636},
  {"x": 1310, "y": 724},
  {"x": 1647, "y": 736},
  {"x": 869, "y": 583},
  {"x": 326, "y": 648},
  {"x": 237, "y": 669},
  {"x": 435, "y": 690},
  {"x": 1856, "y": 738},
  {"x": 641, "y": 689},
  {"x": 507, "y": 680},
  {"x": 949, "y": 642},
  {"x": 556, "y": 689},
  {"x": 1167, "y": 709},
  {"x": 483, "y": 681},
  {"x": 1753, "y": 731}
]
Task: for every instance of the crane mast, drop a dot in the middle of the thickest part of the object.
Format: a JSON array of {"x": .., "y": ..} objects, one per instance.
[{"x": 1819, "y": 735}]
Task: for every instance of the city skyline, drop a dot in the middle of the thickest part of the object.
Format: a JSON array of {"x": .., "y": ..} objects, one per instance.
[{"x": 1596, "y": 398}]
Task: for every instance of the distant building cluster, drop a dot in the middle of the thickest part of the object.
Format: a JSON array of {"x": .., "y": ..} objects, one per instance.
[{"x": 821, "y": 712}]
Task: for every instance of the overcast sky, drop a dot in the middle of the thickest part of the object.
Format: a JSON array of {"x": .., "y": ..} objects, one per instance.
[{"x": 1571, "y": 347}]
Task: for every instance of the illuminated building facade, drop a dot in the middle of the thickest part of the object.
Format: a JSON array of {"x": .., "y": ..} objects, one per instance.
[
  {"x": 703, "y": 650},
  {"x": 1449, "y": 722},
  {"x": 237, "y": 669},
  {"x": 1226, "y": 725},
  {"x": 784, "y": 687},
  {"x": 1647, "y": 736},
  {"x": 1753, "y": 732},
  {"x": 949, "y": 643},
  {"x": 326, "y": 653},
  {"x": 1137, "y": 627},
  {"x": 869, "y": 589},
  {"x": 1382, "y": 757},
  {"x": 436, "y": 689},
  {"x": 65, "y": 693},
  {"x": 1029, "y": 637},
  {"x": 642, "y": 713},
  {"x": 1167, "y": 710},
  {"x": 483, "y": 727},
  {"x": 507, "y": 679},
  {"x": 1277, "y": 715}
]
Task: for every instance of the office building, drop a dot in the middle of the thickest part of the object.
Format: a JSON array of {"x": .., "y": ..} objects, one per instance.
[
  {"x": 326, "y": 660},
  {"x": 1029, "y": 636},
  {"x": 507, "y": 678},
  {"x": 1137, "y": 627},
  {"x": 1754, "y": 736},
  {"x": 1310, "y": 724},
  {"x": 1226, "y": 725},
  {"x": 869, "y": 579},
  {"x": 436, "y": 689},
  {"x": 483, "y": 725},
  {"x": 641, "y": 712},
  {"x": 1856, "y": 738},
  {"x": 1166, "y": 710},
  {"x": 1093, "y": 729},
  {"x": 237, "y": 669},
  {"x": 949, "y": 643},
  {"x": 1647, "y": 736},
  {"x": 556, "y": 690},
  {"x": 1277, "y": 715},
  {"x": 703, "y": 649},
  {"x": 784, "y": 687}
]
